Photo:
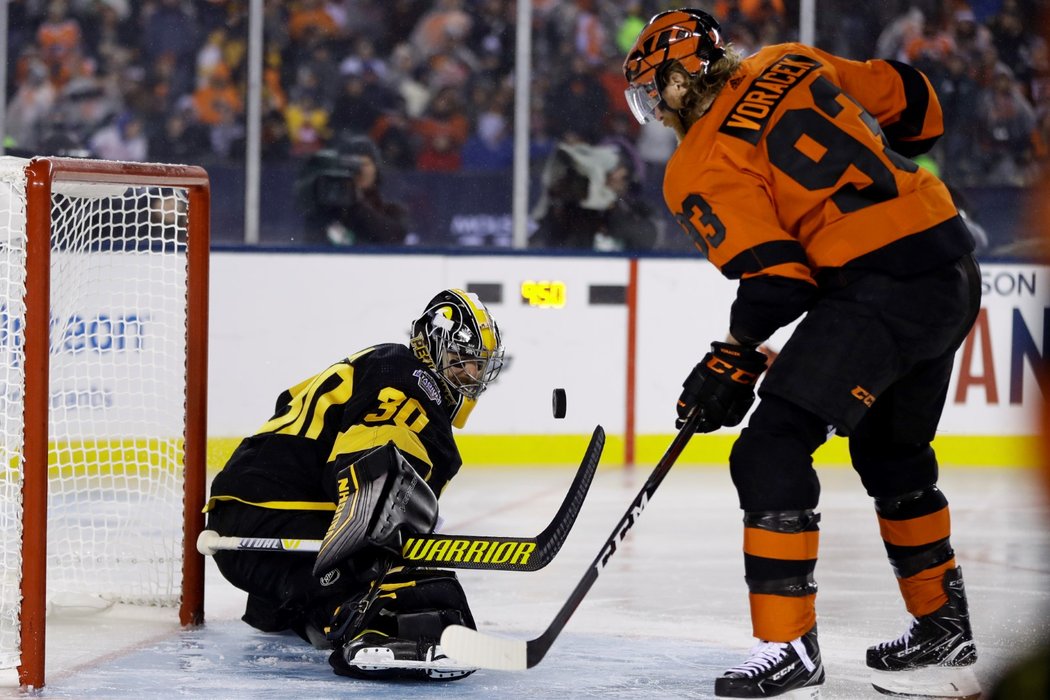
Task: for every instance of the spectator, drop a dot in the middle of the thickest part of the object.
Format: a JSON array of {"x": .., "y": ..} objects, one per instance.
[
  {"x": 310, "y": 18},
  {"x": 900, "y": 32},
  {"x": 403, "y": 78},
  {"x": 109, "y": 37},
  {"x": 216, "y": 98},
  {"x": 181, "y": 140},
  {"x": 578, "y": 104},
  {"x": 210, "y": 57},
  {"x": 395, "y": 138},
  {"x": 227, "y": 135},
  {"x": 437, "y": 29},
  {"x": 354, "y": 111},
  {"x": 317, "y": 70},
  {"x": 34, "y": 98},
  {"x": 276, "y": 144},
  {"x": 59, "y": 39},
  {"x": 1007, "y": 123},
  {"x": 655, "y": 146},
  {"x": 442, "y": 129},
  {"x": 274, "y": 96},
  {"x": 589, "y": 37},
  {"x": 122, "y": 139},
  {"x": 632, "y": 24},
  {"x": 970, "y": 37},
  {"x": 84, "y": 104},
  {"x": 1014, "y": 43},
  {"x": 171, "y": 33},
  {"x": 364, "y": 60},
  {"x": 275, "y": 26},
  {"x": 960, "y": 96},
  {"x": 491, "y": 145},
  {"x": 588, "y": 202},
  {"x": 752, "y": 12},
  {"x": 930, "y": 49},
  {"x": 339, "y": 191},
  {"x": 308, "y": 124},
  {"x": 630, "y": 222},
  {"x": 491, "y": 39}
]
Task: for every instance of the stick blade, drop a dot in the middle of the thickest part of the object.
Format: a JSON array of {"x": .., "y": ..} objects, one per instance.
[{"x": 472, "y": 648}]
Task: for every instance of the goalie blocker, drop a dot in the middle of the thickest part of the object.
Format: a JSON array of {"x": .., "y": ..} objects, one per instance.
[{"x": 380, "y": 496}]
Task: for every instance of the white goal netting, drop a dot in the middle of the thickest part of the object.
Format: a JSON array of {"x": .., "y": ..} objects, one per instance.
[{"x": 116, "y": 394}]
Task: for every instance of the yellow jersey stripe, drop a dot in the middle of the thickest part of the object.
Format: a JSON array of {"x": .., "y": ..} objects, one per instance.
[
  {"x": 273, "y": 505},
  {"x": 336, "y": 397},
  {"x": 359, "y": 438}
]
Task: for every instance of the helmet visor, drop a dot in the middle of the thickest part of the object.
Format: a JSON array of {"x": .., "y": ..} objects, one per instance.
[
  {"x": 471, "y": 372},
  {"x": 643, "y": 100}
]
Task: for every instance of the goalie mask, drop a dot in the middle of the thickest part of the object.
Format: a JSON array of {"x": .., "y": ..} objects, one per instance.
[
  {"x": 459, "y": 340},
  {"x": 687, "y": 36}
]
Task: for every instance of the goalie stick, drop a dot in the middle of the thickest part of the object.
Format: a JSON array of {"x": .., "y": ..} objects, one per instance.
[
  {"x": 472, "y": 648},
  {"x": 455, "y": 551}
]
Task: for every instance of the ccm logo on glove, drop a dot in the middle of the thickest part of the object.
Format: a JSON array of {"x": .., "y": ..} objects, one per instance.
[
  {"x": 721, "y": 386},
  {"x": 719, "y": 366}
]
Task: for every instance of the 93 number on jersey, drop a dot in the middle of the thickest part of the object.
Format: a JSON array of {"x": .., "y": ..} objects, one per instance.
[
  {"x": 840, "y": 151},
  {"x": 708, "y": 231}
]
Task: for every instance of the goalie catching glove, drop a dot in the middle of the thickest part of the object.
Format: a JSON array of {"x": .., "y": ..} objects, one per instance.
[{"x": 721, "y": 386}]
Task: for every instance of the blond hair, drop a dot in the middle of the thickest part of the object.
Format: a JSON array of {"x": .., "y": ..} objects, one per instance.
[{"x": 702, "y": 89}]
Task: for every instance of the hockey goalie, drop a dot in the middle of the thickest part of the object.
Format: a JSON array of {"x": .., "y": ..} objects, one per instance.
[{"x": 357, "y": 454}]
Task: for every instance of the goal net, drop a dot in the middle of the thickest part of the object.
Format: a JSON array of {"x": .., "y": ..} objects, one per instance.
[{"x": 103, "y": 279}]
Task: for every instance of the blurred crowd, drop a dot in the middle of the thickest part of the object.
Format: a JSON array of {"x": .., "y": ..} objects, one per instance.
[{"x": 431, "y": 83}]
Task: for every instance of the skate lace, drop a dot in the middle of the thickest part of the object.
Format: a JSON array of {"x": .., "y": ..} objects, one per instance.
[
  {"x": 903, "y": 640},
  {"x": 765, "y": 655}
]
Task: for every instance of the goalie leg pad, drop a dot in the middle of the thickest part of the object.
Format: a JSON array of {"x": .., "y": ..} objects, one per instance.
[
  {"x": 380, "y": 496},
  {"x": 399, "y": 637}
]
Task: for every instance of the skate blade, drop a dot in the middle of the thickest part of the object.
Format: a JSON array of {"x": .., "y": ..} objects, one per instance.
[
  {"x": 381, "y": 659},
  {"x": 929, "y": 682},
  {"x": 811, "y": 692}
]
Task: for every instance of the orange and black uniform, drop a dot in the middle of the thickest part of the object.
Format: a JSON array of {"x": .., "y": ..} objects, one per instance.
[
  {"x": 281, "y": 481},
  {"x": 798, "y": 183}
]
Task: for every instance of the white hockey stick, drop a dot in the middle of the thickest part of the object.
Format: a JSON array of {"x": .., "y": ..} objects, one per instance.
[{"x": 473, "y": 648}]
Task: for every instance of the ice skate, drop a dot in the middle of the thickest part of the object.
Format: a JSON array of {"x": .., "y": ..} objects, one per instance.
[
  {"x": 935, "y": 656},
  {"x": 373, "y": 655},
  {"x": 777, "y": 669}
]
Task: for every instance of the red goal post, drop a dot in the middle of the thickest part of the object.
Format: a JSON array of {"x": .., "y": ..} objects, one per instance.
[{"x": 103, "y": 347}]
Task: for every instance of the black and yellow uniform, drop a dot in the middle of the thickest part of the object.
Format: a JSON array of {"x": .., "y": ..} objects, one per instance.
[{"x": 281, "y": 481}]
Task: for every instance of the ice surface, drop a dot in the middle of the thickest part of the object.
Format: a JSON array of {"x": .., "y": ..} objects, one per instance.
[{"x": 668, "y": 614}]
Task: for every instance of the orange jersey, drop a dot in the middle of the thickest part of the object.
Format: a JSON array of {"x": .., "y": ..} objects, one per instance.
[{"x": 797, "y": 166}]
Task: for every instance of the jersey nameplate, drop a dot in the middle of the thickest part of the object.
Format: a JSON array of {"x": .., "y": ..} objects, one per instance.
[{"x": 748, "y": 118}]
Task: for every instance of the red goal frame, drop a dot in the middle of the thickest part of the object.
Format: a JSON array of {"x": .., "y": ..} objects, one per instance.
[{"x": 41, "y": 174}]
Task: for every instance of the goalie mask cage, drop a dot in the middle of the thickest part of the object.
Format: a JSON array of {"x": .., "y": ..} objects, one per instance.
[{"x": 103, "y": 351}]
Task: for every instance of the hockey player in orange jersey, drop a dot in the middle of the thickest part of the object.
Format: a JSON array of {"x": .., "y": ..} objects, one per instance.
[{"x": 793, "y": 176}]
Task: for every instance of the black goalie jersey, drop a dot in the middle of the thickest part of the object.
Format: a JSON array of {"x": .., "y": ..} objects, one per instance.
[{"x": 323, "y": 423}]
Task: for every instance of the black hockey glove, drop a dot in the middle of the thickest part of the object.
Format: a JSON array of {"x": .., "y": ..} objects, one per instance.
[{"x": 721, "y": 386}]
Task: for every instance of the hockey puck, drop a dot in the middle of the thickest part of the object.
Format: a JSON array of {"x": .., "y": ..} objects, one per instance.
[{"x": 558, "y": 403}]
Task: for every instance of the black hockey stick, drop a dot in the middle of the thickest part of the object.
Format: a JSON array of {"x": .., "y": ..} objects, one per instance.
[
  {"x": 456, "y": 551},
  {"x": 473, "y": 648}
]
